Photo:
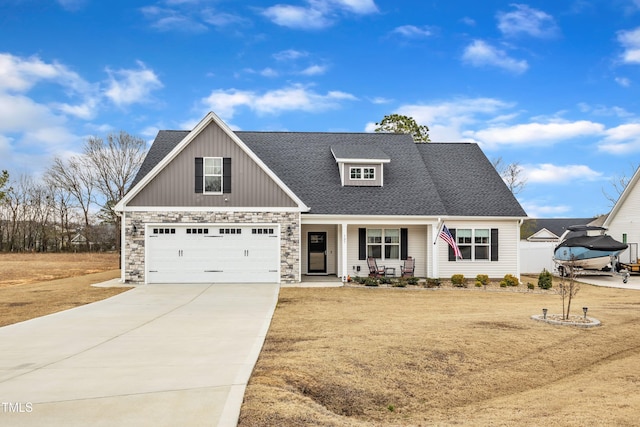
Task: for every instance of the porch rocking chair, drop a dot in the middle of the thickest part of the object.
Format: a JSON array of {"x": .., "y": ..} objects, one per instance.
[
  {"x": 408, "y": 268},
  {"x": 374, "y": 270}
]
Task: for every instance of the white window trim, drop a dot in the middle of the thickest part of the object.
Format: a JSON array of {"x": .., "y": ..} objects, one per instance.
[
  {"x": 473, "y": 245},
  {"x": 205, "y": 175},
  {"x": 382, "y": 243},
  {"x": 361, "y": 170}
]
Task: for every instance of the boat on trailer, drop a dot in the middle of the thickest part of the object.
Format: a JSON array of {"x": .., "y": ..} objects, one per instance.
[{"x": 587, "y": 247}]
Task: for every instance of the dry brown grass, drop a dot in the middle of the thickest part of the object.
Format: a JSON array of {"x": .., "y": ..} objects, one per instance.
[
  {"x": 27, "y": 291},
  {"x": 399, "y": 357}
]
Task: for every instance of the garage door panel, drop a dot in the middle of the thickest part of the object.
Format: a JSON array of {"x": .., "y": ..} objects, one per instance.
[{"x": 213, "y": 254}]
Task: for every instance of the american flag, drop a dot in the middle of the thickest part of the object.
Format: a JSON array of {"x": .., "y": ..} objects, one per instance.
[{"x": 445, "y": 234}]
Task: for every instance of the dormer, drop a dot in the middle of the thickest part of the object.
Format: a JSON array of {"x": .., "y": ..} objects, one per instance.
[{"x": 360, "y": 165}]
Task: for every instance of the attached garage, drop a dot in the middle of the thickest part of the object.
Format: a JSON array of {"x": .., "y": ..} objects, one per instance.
[{"x": 212, "y": 253}]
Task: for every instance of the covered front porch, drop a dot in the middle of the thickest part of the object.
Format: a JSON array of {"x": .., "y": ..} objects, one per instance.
[{"x": 339, "y": 247}]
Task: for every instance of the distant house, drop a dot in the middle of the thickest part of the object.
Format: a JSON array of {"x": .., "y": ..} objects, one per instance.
[
  {"x": 549, "y": 229},
  {"x": 623, "y": 222},
  {"x": 213, "y": 205}
]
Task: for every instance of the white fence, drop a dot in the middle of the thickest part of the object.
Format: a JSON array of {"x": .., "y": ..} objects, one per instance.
[{"x": 535, "y": 256}]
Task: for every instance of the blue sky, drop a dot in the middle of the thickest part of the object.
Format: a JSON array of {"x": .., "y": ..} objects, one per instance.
[{"x": 553, "y": 85}]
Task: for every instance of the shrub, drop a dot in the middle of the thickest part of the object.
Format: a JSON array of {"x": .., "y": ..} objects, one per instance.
[
  {"x": 482, "y": 280},
  {"x": 509, "y": 280},
  {"x": 530, "y": 285},
  {"x": 370, "y": 281},
  {"x": 503, "y": 284},
  {"x": 385, "y": 280},
  {"x": 432, "y": 283},
  {"x": 412, "y": 280},
  {"x": 545, "y": 279},
  {"x": 401, "y": 283},
  {"x": 459, "y": 281}
]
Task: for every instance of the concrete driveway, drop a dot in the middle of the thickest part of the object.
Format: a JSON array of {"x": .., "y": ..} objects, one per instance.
[
  {"x": 611, "y": 281},
  {"x": 157, "y": 355}
]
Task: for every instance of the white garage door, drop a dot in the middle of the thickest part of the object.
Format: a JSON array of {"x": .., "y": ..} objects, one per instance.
[{"x": 213, "y": 254}]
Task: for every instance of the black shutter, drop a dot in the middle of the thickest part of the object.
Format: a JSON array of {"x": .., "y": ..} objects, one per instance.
[
  {"x": 226, "y": 175},
  {"x": 404, "y": 243},
  {"x": 494, "y": 244},
  {"x": 362, "y": 243},
  {"x": 452, "y": 254},
  {"x": 199, "y": 174}
]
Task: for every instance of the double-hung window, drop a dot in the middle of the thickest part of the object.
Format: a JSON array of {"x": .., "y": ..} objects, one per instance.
[
  {"x": 213, "y": 175},
  {"x": 383, "y": 243},
  {"x": 474, "y": 244}
]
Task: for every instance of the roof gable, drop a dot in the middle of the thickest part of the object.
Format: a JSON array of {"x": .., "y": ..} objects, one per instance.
[
  {"x": 159, "y": 170},
  {"x": 630, "y": 191}
]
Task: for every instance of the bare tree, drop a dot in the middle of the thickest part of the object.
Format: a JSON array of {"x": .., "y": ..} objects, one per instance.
[
  {"x": 77, "y": 177},
  {"x": 115, "y": 161},
  {"x": 568, "y": 287},
  {"x": 511, "y": 175},
  {"x": 4, "y": 178},
  {"x": 618, "y": 184}
]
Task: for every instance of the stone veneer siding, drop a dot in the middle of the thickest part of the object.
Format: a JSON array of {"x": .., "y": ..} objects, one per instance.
[{"x": 135, "y": 242}]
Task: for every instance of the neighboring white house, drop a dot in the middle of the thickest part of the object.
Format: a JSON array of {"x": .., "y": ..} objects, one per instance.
[{"x": 623, "y": 222}]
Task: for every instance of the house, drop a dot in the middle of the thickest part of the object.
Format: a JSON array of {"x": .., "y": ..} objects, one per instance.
[
  {"x": 623, "y": 222},
  {"x": 213, "y": 205}
]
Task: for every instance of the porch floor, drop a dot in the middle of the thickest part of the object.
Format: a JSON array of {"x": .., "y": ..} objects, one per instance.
[{"x": 329, "y": 281}]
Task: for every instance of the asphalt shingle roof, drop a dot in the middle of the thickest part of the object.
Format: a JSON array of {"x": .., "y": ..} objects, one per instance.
[{"x": 435, "y": 179}]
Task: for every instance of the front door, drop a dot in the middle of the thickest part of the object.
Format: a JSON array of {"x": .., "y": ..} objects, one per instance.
[{"x": 317, "y": 252}]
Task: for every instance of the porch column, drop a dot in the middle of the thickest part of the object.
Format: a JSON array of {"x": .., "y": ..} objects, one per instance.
[
  {"x": 434, "y": 252},
  {"x": 343, "y": 252}
]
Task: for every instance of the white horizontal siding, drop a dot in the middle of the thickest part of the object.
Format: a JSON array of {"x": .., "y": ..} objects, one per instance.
[
  {"x": 627, "y": 220},
  {"x": 508, "y": 237}
]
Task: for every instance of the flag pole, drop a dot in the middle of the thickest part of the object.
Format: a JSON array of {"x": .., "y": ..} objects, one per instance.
[{"x": 440, "y": 225}]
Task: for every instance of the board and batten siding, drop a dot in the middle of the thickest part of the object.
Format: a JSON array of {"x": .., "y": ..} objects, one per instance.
[
  {"x": 627, "y": 220},
  {"x": 250, "y": 185},
  {"x": 418, "y": 247},
  {"x": 508, "y": 240}
]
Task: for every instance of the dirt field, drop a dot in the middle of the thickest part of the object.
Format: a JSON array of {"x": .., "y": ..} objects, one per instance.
[
  {"x": 28, "y": 288},
  {"x": 399, "y": 357}
]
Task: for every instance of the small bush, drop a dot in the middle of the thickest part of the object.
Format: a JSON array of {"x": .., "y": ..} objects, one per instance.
[
  {"x": 401, "y": 283},
  {"x": 530, "y": 285},
  {"x": 432, "y": 283},
  {"x": 503, "y": 284},
  {"x": 459, "y": 281},
  {"x": 412, "y": 280},
  {"x": 370, "y": 281},
  {"x": 385, "y": 280},
  {"x": 509, "y": 280},
  {"x": 545, "y": 279},
  {"x": 482, "y": 280}
]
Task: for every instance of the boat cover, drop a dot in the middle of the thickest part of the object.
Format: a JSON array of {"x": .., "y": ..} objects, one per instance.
[{"x": 598, "y": 243}]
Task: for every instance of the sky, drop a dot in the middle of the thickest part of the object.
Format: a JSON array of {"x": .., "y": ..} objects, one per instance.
[{"x": 551, "y": 85}]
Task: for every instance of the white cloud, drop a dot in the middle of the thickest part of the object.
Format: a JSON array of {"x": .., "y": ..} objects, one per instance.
[
  {"x": 72, "y": 5},
  {"x": 623, "y": 139},
  {"x": 539, "y": 210},
  {"x": 413, "y": 32},
  {"x": 380, "y": 100},
  {"x": 526, "y": 20},
  {"x": 21, "y": 74},
  {"x": 630, "y": 40},
  {"x": 305, "y": 18},
  {"x": 290, "y": 55},
  {"x": 163, "y": 19},
  {"x": 623, "y": 81},
  {"x": 480, "y": 53},
  {"x": 269, "y": 72},
  {"x": 292, "y": 98},
  {"x": 314, "y": 70},
  {"x": 535, "y": 133},
  {"x": 130, "y": 86},
  {"x": 317, "y": 14},
  {"x": 548, "y": 173},
  {"x": 222, "y": 19}
]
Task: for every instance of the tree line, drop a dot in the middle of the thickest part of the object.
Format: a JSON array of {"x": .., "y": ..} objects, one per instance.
[{"x": 69, "y": 206}]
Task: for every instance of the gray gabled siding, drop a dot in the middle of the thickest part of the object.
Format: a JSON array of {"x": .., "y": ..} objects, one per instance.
[{"x": 174, "y": 185}]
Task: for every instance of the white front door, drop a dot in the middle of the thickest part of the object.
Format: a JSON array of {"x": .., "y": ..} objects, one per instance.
[{"x": 215, "y": 253}]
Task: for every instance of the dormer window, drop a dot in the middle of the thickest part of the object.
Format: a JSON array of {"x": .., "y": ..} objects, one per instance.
[
  {"x": 360, "y": 165},
  {"x": 362, "y": 173}
]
